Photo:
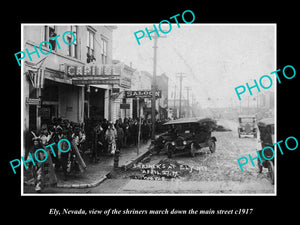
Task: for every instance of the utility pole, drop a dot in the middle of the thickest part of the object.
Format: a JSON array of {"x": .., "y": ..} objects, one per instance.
[
  {"x": 188, "y": 101},
  {"x": 139, "y": 130},
  {"x": 153, "y": 89},
  {"x": 180, "y": 92},
  {"x": 174, "y": 102}
]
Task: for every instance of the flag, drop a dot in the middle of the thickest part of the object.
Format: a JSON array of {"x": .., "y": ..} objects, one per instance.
[
  {"x": 30, "y": 74},
  {"x": 37, "y": 74},
  {"x": 37, "y": 77}
]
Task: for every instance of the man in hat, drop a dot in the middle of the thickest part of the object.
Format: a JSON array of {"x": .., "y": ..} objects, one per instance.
[
  {"x": 45, "y": 136},
  {"x": 42, "y": 172},
  {"x": 98, "y": 142},
  {"x": 78, "y": 136},
  {"x": 110, "y": 136},
  {"x": 64, "y": 157},
  {"x": 120, "y": 136}
]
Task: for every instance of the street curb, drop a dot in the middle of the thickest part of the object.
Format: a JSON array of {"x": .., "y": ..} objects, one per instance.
[
  {"x": 126, "y": 166},
  {"x": 93, "y": 184},
  {"x": 103, "y": 178}
]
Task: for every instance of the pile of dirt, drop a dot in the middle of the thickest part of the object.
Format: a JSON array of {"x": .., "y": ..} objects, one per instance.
[{"x": 221, "y": 128}]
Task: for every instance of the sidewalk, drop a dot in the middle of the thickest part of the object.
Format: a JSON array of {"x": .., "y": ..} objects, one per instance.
[
  {"x": 97, "y": 172},
  {"x": 198, "y": 187}
]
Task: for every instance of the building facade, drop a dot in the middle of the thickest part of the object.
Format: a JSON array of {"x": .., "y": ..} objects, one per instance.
[
  {"x": 141, "y": 80},
  {"x": 75, "y": 81}
]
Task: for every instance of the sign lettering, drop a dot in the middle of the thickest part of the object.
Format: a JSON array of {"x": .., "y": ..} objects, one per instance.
[{"x": 142, "y": 94}]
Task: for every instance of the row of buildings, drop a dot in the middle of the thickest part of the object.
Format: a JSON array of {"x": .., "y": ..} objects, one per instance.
[{"x": 82, "y": 80}]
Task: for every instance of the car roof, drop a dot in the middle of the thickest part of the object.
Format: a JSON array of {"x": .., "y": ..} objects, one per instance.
[
  {"x": 190, "y": 120},
  {"x": 246, "y": 116},
  {"x": 266, "y": 121}
]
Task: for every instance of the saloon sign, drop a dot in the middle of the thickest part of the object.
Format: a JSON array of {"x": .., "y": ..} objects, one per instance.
[{"x": 142, "y": 94}]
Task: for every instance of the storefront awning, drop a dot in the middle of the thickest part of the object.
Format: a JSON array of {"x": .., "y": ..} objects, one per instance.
[
  {"x": 103, "y": 86},
  {"x": 96, "y": 80}
]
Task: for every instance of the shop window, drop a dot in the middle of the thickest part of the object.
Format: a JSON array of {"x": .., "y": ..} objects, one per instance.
[
  {"x": 104, "y": 51},
  {"x": 72, "y": 49},
  {"x": 48, "y": 34},
  {"x": 90, "y": 46}
]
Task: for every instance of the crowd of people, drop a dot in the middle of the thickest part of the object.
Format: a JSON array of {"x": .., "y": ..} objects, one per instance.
[
  {"x": 92, "y": 138},
  {"x": 96, "y": 137},
  {"x": 125, "y": 133}
]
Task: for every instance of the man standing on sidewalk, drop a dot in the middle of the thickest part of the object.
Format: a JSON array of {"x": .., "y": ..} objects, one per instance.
[
  {"x": 120, "y": 137},
  {"x": 42, "y": 172},
  {"x": 110, "y": 136},
  {"x": 64, "y": 156}
]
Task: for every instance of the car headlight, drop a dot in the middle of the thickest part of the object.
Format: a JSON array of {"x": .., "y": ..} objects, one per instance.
[
  {"x": 184, "y": 142},
  {"x": 173, "y": 143}
]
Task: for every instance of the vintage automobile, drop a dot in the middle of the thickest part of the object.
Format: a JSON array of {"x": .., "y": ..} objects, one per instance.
[
  {"x": 264, "y": 139},
  {"x": 247, "y": 125},
  {"x": 186, "y": 135}
]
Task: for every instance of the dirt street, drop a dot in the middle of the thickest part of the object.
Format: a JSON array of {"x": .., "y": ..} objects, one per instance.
[{"x": 216, "y": 172}]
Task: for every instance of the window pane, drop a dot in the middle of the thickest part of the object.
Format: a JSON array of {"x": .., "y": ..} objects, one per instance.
[
  {"x": 92, "y": 40},
  {"x": 69, "y": 49},
  {"x": 51, "y": 32},
  {"x": 102, "y": 46},
  {"x": 46, "y": 34},
  {"x": 88, "y": 39},
  {"x": 73, "y": 50},
  {"x": 74, "y": 30},
  {"x": 105, "y": 48}
]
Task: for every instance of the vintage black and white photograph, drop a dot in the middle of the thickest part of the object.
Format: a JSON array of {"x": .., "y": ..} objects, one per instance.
[{"x": 148, "y": 109}]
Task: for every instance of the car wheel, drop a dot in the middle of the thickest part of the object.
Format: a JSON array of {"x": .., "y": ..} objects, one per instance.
[
  {"x": 212, "y": 146},
  {"x": 169, "y": 151},
  {"x": 192, "y": 150}
]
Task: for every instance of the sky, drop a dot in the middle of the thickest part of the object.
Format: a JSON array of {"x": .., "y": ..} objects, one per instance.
[{"x": 215, "y": 58}]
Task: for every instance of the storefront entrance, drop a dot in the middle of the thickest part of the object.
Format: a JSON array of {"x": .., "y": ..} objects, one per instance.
[
  {"x": 96, "y": 103},
  {"x": 32, "y": 118},
  {"x": 47, "y": 112}
]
